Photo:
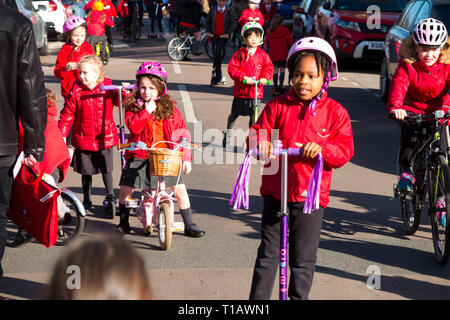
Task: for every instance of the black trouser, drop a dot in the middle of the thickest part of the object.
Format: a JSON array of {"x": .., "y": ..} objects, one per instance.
[
  {"x": 152, "y": 24},
  {"x": 5, "y": 192},
  {"x": 219, "y": 47},
  {"x": 304, "y": 236},
  {"x": 233, "y": 117}
]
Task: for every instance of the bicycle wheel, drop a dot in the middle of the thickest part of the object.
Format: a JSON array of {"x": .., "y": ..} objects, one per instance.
[
  {"x": 412, "y": 202},
  {"x": 439, "y": 197},
  {"x": 176, "y": 50},
  {"x": 165, "y": 226},
  {"x": 73, "y": 221}
]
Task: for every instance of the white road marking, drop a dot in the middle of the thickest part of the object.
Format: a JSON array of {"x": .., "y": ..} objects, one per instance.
[
  {"x": 176, "y": 67},
  {"x": 187, "y": 103}
]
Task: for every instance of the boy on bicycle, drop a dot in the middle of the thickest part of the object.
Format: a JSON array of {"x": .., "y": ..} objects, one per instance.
[{"x": 420, "y": 85}]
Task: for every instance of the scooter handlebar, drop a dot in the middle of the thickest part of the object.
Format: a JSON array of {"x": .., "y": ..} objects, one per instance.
[
  {"x": 278, "y": 151},
  {"x": 115, "y": 87}
]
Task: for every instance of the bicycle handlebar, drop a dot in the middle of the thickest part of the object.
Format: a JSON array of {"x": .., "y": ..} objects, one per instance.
[
  {"x": 116, "y": 87},
  {"x": 143, "y": 146},
  {"x": 438, "y": 114}
]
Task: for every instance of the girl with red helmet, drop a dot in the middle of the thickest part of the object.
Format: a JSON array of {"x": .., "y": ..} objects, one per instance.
[
  {"x": 152, "y": 116},
  {"x": 419, "y": 85},
  {"x": 90, "y": 110},
  {"x": 303, "y": 117},
  {"x": 66, "y": 66}
]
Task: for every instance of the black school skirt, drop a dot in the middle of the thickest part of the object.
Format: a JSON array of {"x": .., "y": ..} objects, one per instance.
[{"x": 92, "y": 162}]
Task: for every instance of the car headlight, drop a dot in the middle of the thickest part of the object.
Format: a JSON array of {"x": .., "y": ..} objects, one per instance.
[{"x": 348, "y": 25}]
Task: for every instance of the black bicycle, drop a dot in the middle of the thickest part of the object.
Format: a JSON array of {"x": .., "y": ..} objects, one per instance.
[{"x": 432, "y": 181}]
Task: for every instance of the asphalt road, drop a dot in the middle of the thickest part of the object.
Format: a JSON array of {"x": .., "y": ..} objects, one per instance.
[{"x": 361, "y": 226}]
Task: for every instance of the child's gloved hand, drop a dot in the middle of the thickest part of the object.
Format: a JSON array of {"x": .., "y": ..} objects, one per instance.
[
  {"x": 310, "y": 149},
  {"x": 248, "y": 81},
  {"x": 150, "y": 106}
]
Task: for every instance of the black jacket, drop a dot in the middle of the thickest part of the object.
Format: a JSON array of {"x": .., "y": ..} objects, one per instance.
[{"x": 21, "y": 85}]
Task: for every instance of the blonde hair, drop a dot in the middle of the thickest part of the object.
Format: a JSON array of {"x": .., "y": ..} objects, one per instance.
[
  {"x": 109, "y": 268},
  {"x": 96, "y": 62}
]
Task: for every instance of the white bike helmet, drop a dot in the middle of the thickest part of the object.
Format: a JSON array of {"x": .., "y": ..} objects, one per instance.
[
  {"x": 430, "y": 32},
  {"x": 252, "y": 25}
]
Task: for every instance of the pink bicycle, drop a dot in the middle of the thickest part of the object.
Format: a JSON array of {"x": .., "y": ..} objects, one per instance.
[{"x": 155, "y": 208}]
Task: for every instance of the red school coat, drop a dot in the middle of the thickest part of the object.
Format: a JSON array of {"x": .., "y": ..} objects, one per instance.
[
  {"x": 56, "y": 154},
  {"x": 250, "y": 15},
  {"x": 69, "y": 54},
  {"x": 330, "y": 128}
]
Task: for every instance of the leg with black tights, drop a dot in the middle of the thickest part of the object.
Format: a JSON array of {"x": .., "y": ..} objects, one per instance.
[
  {"x": 108, "y": 182},
  {"x": 86, "y": 183}
]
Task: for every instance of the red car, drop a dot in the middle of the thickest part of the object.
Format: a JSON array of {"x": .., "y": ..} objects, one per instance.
[{"x": 357, "y": 28}]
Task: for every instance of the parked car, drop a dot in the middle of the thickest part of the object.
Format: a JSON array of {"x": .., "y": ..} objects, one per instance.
[
  {"x": 286, "y": 8},
  {"x": 39, "y": 26},
  {"x": 52, "y": 11},
  {"x": 306, "y": 11},
  {"x": 75, "y": 7},
  {"x": 414, "y": 11},
  {"x": 353, "y": 29}
]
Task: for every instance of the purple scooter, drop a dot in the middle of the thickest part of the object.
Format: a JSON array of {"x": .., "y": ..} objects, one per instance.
[
  {"x": 121, "y": 114},
  {"x": 240, "y": 196}
]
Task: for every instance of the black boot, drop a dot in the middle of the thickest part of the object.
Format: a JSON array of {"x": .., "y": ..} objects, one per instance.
[
  {"x": 190, "y": 228},
  {"x": 124, "y": 225}
]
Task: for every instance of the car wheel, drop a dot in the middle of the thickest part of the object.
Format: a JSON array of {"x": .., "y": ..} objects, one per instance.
[
  {"x": 44, "y": 51},
  {"x": 384, "y": 81}
]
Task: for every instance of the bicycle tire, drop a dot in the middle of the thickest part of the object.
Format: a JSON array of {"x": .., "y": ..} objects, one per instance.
[
  {"x": 440, "y": 191},
  {"x": 175, "y": 50},
  {"x": 165, "y": 226},
  {"x": 73, "y": 226},
  {"x": 412, "y": 203}
]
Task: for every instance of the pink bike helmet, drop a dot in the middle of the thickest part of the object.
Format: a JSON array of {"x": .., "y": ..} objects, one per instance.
[
  {"x": 314, "y": 44},
  {"x": 430, "y": 32},
  {"x": 73, "y": 22},
  {"x": 153, "y": 69}
]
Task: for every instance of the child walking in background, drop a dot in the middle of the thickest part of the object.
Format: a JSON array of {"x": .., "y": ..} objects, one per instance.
[
  {"x": 268, "y": 11},
  {"x": 154, "y": 8},
  {"x": 219, "y": 25},
  {"x": 90, "y": 111},
  {"x": 251, "y": 14},
  {"x": 152, "y": 116},
  {"x": 304, "y": 118},
  {"x": 278, "y": 41},
  {"x": 96, "y": 21},
  {"x": 249, "y": 63},
  {"x": 66, "y": 66}
]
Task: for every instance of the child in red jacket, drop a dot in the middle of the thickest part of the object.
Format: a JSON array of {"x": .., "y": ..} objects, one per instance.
[
  {"x": 268, "y": 11},
  {"x": 252, "y": 14},
  {"x": 278, "y": 41},
  {"x": 66, "y": 66},
  {"x": 420, "y": 85},
  {"x": 96, "y": 21},
  {"x": 90, "y": 111},
  {"x": 250, "y": 63},
  {"x": 152, "y": 117},
  {"x": 55, "y": 163},
  {"x": 304, "y": 117}
]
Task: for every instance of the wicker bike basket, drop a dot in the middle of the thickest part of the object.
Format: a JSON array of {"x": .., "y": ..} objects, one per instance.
[{"x": 164, "y": 162}]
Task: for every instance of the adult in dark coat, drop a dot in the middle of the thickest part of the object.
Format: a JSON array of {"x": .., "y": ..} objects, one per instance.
[{"x": 23, "y": 96}]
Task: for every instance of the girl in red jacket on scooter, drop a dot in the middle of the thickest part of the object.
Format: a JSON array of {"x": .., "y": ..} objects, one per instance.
[
  {"x": 420, "y": 85},
  {"x": 303, "y": 117},
  {"x": 90, "y": 111},
  {"x": 250, "y": 63}
]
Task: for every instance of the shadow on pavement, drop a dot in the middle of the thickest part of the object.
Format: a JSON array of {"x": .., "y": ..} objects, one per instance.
[{"x": 25, "y": 289}]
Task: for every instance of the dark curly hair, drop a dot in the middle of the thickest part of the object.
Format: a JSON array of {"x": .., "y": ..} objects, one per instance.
[
  {"x": 323, "y": 63},
  {"x": 164, "y": 106}
]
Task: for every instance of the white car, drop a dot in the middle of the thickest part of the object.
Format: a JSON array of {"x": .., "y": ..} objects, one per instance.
[{"x": 52, "y": 11}]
